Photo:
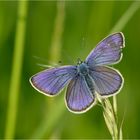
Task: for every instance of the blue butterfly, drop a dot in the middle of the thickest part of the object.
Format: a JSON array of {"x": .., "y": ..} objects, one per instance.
[{"x": 86, "y": 78}]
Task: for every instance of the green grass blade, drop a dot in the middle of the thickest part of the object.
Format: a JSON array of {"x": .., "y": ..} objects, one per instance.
[
  {"x": 55, "y": 50},
  {"x": 16, "y": 70},
  {"x": 126, "y": 17},
  {"x": 54, "y": 112}
]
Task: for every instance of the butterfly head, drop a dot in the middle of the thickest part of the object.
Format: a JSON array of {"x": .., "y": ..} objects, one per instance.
[{"x": 82, "y": 68}]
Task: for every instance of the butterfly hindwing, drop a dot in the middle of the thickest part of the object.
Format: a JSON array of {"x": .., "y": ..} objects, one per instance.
[
  {"x": 79, "y": 97},
  {"x": 107, "y": 81}
]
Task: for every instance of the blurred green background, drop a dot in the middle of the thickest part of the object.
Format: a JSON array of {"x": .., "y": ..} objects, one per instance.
[{"x": 45, "y": 32}]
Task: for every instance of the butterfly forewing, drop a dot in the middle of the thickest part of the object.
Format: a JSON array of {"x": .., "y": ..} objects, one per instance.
[
  {"x": 107, "y": 52},
  {"x": 79, "y": 98},
  {"x": 51, "y": 81}
]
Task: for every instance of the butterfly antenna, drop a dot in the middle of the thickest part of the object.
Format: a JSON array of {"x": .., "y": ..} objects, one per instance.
[
  {"x": 40, "y": 59},
  {"x": 52, "y": 65},
  {"x": 45, "y": 66}
]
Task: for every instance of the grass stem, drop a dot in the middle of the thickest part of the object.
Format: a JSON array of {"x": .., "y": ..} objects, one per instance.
[
  {"x": 55, "y": 50},
  {"x": 16, "y": 70},
  {"x": 110, "y": 117},
  {"x": 126, "y": 17},
  {"x": 55, "y": 113}
]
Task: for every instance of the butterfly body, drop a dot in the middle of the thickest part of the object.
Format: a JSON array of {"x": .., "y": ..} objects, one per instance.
[
  {"x": 94, "y": 75},
  {"x": 84, "y": 71}
]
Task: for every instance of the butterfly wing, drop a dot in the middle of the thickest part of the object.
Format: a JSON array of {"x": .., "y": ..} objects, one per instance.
[
  {"x": 79, "y": 98},
  {"x": 108, "y": 51},
  {"x": 52, "y": 81},
  {"x": 107, "y": 81}
]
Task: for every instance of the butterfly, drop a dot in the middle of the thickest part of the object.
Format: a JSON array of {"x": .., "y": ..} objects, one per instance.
[{"x": 87, "y": 78}]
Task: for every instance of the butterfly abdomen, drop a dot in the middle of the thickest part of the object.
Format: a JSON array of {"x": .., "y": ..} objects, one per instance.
[{"x": 89, "y": 82}]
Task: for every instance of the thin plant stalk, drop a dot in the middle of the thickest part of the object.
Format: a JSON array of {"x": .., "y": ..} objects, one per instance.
[
  {"x": 16, "y": 70},
  {"x": 126, "y": 17},
  {"x": 48, "y": 122},
  {"x": 55, "y": 50}
]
